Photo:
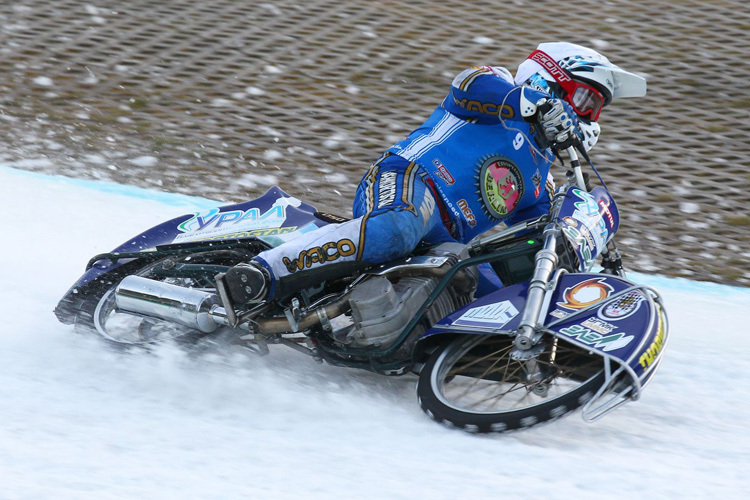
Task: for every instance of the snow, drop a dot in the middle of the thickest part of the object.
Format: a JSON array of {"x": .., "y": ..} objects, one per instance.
[
  {"x": 80, "y": 420},
  {"x": 599, "y": 44},
  {"x": 273, "y": 154},
  {"x": 43, "y": 81},
  {"x": 254, "y": 91},
  {"x": 144, "y": 161},
  {"x": 689, "y": 207},
  {"x": 483, "y": 40}
]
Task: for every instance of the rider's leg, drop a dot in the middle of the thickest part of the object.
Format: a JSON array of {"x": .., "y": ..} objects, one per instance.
[{"x": 394, "y": 211}]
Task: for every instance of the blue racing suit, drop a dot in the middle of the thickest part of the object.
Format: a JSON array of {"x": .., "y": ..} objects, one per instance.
[{"x": 472, "y": 165}]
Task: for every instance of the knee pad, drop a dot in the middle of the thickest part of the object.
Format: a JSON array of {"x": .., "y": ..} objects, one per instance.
[{"x": 390, "y": 235}]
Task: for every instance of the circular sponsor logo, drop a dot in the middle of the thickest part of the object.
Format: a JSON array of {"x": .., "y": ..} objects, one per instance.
[
  {"x": 585, "y": 293},
  {"x": 623, "y": 306},
  {"x": 570, "y": 221},
  {"x": 501, "y": 185}
]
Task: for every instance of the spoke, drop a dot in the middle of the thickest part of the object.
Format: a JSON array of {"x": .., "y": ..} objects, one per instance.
[
  {"x": 499, "y": 353},
  {"x": 493, "y": 386},
  {"x": 493, "y": 381},
  {"x": 517, "y": 386},
  {"x": 520, "y": 401},
  {"x": 587, "y": 367},
  {"x": 477, "y": 380}
]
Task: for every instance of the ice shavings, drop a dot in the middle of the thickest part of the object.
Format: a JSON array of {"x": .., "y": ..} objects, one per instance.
[
  {"x": 253, "y": 180},
  {"x": 599, "y": 44},
  {"x": 221, "y": 103},
  {"x": 254, "y": 91},
  {"x": 271, "y": 9},
  {"x": 43, "y": 81},
  {"x": 334, "y": 140},
  {"x": 273, "y": 154},
  {"x": 689, "y": 207},
  {"x": 336, "y": 178},
  {"x": 144, "y": 161}
]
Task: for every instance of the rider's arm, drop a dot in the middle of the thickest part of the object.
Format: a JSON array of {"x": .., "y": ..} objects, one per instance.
[{"x": 482, "y": 93}]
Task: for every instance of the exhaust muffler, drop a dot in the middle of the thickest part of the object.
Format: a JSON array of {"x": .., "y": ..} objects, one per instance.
[{"x": 185, "y": 306}]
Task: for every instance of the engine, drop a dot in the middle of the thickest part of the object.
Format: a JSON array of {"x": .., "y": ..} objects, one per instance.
[{"x": 382, "y": 306}]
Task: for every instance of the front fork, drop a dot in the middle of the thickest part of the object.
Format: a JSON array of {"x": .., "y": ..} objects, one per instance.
[
  {"x": 527, "y": 345},
  {"x": 545, "y": 264},
  {"x": 527, "y": 342}
]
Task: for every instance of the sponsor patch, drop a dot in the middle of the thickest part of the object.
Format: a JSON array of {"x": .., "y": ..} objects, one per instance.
[
  {"x": 537, "y": 180},
  {"x": 501, "y": 186},
  {"x": 559, "y": 313},
  {"x": 271, "y": 231},
  {"x": 427, "y": 207},
  {"x": 467, "y": 213},
  {"x": 387, "y": 189},
  {"x": 497, "y": 315},
  {"x": 587, "y": 212},
  {"x": 580, "y": 244},
  {"x": 328, "y": 252},
  {"x": 442, "y": 172},
  {"x": 649, "y": 356},
  {"x": 332, "y": 218},
  {"x": 607, "y": 212},
  {"x": 599, "y": 326},
  {"x": 487, "y": 108},
  {"x": 585, "y": 293},
  {"x": 214, "y": 224},
  {"x": 600, "y": 341},
  {"x": 622, "y": 307}
]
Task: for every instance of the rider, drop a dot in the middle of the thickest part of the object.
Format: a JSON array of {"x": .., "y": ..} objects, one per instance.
[{"x": 482, "y": 157}]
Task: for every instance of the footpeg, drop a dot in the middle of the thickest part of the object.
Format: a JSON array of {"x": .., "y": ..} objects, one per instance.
[{"x": 247, "y": 283}]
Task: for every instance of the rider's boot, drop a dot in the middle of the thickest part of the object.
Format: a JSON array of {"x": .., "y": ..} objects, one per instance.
[{"x": 248, "y": 283}]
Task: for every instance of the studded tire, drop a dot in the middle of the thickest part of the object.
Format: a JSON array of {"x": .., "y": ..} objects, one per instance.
[{"x": 473, "y": 384}]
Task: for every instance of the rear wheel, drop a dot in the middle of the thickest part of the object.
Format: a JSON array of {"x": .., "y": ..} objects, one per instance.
[
  {"x": 475, "y": 384},
  {"x": 96, "y": 312}
]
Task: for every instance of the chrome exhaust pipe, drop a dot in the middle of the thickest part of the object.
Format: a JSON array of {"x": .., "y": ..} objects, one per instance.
[{"x": 185, "y": 306}]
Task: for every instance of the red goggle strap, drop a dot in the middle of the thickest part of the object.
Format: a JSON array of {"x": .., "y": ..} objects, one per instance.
[{"x": 560, "y": 75}]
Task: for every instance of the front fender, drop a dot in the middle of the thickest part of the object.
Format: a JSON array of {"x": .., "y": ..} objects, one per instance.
[{"x": 625, "y": 323}]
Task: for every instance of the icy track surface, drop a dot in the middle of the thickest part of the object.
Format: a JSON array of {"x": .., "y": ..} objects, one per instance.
[{"x": 81, "y": 421}]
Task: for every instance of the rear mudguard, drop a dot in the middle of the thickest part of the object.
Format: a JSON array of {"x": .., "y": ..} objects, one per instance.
[
  {"x": 263, "y": 222},
  {"x": 622, "y": 322}
]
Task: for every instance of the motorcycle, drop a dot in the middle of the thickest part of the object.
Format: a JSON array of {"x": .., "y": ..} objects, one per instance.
[{"x": 490, "y": 357}]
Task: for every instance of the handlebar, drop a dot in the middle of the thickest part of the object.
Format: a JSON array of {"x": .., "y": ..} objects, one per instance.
[{"x": 576, "y": 164}]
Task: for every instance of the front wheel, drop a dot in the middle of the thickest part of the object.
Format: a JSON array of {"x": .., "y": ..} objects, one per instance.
[{"x": 474, "y": 383}]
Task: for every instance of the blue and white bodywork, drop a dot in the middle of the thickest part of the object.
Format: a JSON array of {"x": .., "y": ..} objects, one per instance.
[
  {"x": 588, "y": 221},
  {"x": 271, "y": 219}
]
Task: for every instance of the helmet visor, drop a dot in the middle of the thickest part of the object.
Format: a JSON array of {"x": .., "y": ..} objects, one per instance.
[{"x": 586, "y": 101}]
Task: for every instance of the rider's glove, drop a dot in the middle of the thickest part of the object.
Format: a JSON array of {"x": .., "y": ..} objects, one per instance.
[{"x": 557, "y": 123}]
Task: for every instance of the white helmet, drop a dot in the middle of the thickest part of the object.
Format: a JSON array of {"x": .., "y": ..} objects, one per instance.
[{"x": 582, "y": 77}]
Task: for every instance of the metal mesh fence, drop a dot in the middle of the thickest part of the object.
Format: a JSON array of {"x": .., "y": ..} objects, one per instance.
[{"x": 223, "y": 98}]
